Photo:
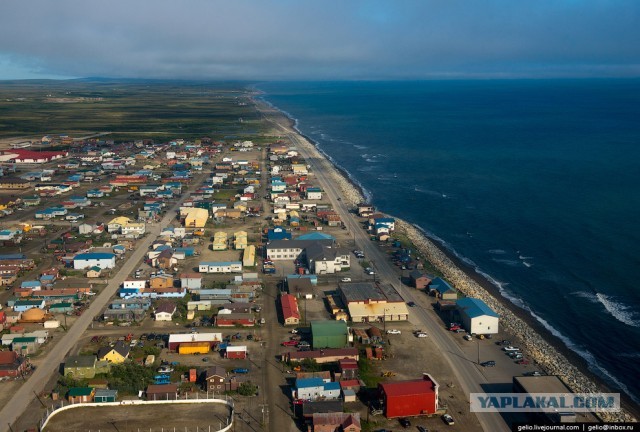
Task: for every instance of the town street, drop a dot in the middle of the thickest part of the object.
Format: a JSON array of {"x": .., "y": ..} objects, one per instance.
[
  {"x": 467, "y": 373},
  {"x": 51, "y": 363}
]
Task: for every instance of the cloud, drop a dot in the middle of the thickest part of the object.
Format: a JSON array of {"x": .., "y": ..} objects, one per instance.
[{"x": 287, "y": 39}]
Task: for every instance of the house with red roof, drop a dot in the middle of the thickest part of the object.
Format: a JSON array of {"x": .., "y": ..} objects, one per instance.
[
  {"x": 409, "y": 398},
  {"x": 290, "y": 312}
]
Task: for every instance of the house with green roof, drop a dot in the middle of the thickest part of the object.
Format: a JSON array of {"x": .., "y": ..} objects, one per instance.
[
  {"x": 80, "y": 395},
  {"x": 329, "y": 334}
]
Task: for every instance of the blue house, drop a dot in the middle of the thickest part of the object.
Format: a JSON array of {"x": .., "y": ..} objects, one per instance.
[
  {"x": 32, "y": 285},
  {"x": 278, "y": 233},
  {"x": 442, "y": 289}
]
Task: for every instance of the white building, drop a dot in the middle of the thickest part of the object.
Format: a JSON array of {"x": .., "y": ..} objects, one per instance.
[
  {"x": 94, "y": 259},
  {"x": 134, "y": 284},
  {"x": 477, "y": 317},
  {"x": 220, "y": 267}
]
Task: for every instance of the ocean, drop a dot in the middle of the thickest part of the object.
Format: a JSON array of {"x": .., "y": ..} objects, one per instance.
[{"x": 534, "y": 183}]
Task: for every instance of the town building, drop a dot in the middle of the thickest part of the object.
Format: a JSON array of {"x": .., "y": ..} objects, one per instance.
[
  {"x": 409, "y": 398},
  {"x": 329, "y": 334},
  {"x": 370, "y": 302},
  {"x": 165, "y": 311},
  {"x": 336, "y": 422},
  {"x": 477, "y": 317},
  {"x": 116, "y": 354},
  {"x": 98, "y": 259},
  {"x": 290, "y": 312}
]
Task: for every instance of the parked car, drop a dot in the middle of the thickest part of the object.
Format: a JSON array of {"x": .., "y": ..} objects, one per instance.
[
  {"x": 523, "y": 361},
  {"x": 468, "y": 337},
  {"x": 394, "y": 331},
  {"x": 422, "y": 429},
  {"x": 290, "y": 343},
  {"x": 345, "y": 279},
  {"x": 488, "y": 363},
  {"x": 240, "y": 370},
  {"x": 421, "y": 335},
  {"x": 454, "y": 327},
  {"x": 534, "y": 374},
  {"x": 448, "y": 419},
  {"x": 405, "y": 423},
  {"x": 510, "y": 348}
]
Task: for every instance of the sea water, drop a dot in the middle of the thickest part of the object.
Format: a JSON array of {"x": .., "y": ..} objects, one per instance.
[{"x": 534, "y": 183}]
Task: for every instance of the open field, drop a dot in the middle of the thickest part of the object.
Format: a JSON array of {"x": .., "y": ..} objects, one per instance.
[
  {"x": 134, "y": 417},
  {"x": 128, "y": 109}
]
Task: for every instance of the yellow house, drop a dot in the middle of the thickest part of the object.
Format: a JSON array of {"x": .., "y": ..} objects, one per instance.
[
  {"x": 219, "y": 241},
  {"x": 241, "y": 239},
  {"x": 196, "y": 218},
  {"x": 116, "y": 354},
  {"x": 249, "y": 256}
]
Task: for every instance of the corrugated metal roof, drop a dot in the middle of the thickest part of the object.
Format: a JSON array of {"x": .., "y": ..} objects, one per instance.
[{"x": 474, "y": 307}]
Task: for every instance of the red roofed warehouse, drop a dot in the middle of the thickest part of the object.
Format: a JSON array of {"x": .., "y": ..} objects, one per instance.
[
  {"x": 29, "y": 156},
  {"x": 409, "y": 398},
  {"x": 290, "y": 312}
]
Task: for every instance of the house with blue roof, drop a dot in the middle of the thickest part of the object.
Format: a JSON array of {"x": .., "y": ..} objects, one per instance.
[
  {"x": 314, "y": 193},
  {"x": 31, "y": 284},
  {"x": 477, "y": 317},
  {"x": 95, "y": 193},
  {"x": 103, "y": 260},
  {"x": 316, "y": 236},
  {"x": 278, "y": 186},
  {"x": 315, "y": 388},
  {"x": 442, "y": 289},
  {"x": 278, "y": 233}
]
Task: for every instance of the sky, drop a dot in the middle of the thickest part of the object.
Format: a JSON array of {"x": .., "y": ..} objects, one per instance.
[{"x": 319, "y": 40}]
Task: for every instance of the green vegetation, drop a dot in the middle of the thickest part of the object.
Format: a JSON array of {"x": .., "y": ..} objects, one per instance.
[
  {"x": 368, "y": 374},
  {"x": 130, "y": 377},
  {"x": 159, "y": 110},
  {"x": 247, "y": 389}
]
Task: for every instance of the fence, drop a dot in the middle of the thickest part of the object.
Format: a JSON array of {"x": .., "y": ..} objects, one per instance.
[{"x": 227, "y": 401}]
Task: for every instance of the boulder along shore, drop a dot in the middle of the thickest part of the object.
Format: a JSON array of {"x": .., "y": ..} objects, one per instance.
[{"x": 548, "y": 357}]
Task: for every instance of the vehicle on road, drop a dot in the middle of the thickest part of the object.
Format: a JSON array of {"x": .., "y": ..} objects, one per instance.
[
  {"x": 205, "y": 359},
  {"x": 405, "y": 423},
  {"x": 411, "y": 304},
  {"x": 467, "y": 337},
  {"x": 394, "y": 331},
  {"x": 422, "y": 429},
  {"x": 510, "y": 348},
  {"x": 240, "y": 370},
  {"x": 369, "y": 271},
  {"x": 345, "y": 279},
  {"x": 421, "y": 335},
  {"x": 448, "y": 419},
  {"x": 488, "y": 363}
]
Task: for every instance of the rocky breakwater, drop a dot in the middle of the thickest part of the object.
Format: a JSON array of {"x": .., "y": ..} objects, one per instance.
[{"x": 539, "y": 350}]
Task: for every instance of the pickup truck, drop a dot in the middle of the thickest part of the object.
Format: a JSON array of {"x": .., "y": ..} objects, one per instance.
[
  {"x": 290, "y": 343},
  {"x": 510, "y": 348}
]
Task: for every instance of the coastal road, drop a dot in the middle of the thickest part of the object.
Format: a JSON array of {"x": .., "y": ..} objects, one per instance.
[
  {"x": 467, "y": 373},
  {"x": 51, "y": 363}
]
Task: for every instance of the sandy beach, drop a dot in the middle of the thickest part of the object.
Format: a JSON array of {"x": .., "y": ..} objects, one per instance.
[{"x": 537, "y": 342}]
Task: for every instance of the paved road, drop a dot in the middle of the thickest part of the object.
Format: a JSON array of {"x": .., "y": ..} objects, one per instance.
[
  {"x": 466, "y": 372},
  {"x": 50, "y": 364}
]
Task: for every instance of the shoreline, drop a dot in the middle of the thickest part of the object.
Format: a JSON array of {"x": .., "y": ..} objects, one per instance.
[{"x": 542, "y": 347}]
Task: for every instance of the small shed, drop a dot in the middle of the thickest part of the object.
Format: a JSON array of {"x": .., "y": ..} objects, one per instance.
[
  {"x": 80, "y": 395},
  {"x": 105, "y": 395},
  {"x": 162, "y": 392},
  {"x": 236, "y": 352},
  {"x": 349, "y": 395}
]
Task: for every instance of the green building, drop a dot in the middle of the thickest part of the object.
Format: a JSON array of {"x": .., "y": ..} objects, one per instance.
[
  {"x": 329, "y": 334},
  {"x": 82, "y": 366}
]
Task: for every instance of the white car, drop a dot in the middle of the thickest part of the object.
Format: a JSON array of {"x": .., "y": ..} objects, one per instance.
[
  {"x": 345, "y": 279},
  {"x": 510, "y": 348},
  {"x": 467, "y": 337},
  {"x": 421, "y": 335},
  {"x": 394, "y": 331},
  {"x": 448, "y": 419}
]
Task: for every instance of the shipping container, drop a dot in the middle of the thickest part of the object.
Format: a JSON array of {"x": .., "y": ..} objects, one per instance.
[{"x": 194, "y": 348}]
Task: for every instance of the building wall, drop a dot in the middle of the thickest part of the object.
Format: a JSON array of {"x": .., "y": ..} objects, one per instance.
[
  {"x": 481, "y": 325},
  {"x": 410, "y": 405}
]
